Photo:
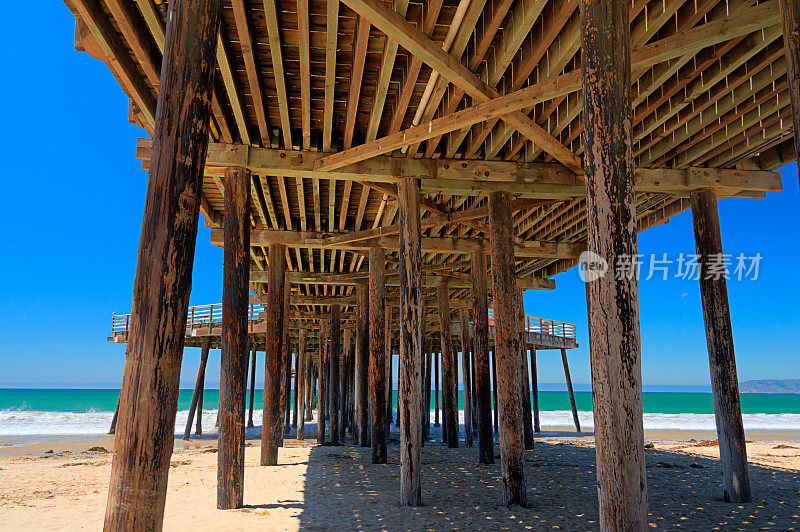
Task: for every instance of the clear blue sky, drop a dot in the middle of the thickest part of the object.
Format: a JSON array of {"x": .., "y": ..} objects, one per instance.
[{"x": 74, "y": 198}]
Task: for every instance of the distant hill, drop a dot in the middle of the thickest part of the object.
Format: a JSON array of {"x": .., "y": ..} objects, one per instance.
[{"x": 770, "y": 386}]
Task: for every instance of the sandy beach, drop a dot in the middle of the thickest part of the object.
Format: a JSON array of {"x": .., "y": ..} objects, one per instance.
[{"x": 337, "y": 488}]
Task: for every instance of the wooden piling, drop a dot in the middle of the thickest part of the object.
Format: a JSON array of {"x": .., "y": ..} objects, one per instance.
[
  {"x": 321, "y": 387},
  {"x": 535, "y": 391},
  {"x": 506, "y": 341},
  {"x": 613, "y": 308},
  {"x": 302, "y": 383},
  {"x": 253, "y": 359},
  {"x": 233, "y": 361},
  {"x": 465, "y": 374},
  {"x": 721, "y": 354},
  {"x": 409, "y": 404},
  {"x": 295, "y": 395},
  {"x": 150, "y": 385},
  {"x": 480, "y": 310},
  {"x": 309, "y": 387},
  {"x": 273, "y": 310},
  {"x": 569, "y": 389},
  {"x": 286, "y": 364},
  {"x": 449, "y": 372},
  {"x": 198, "y": 386},
  {"x": 436, "y": 390},
  {"x": 388, "y": 359},
  {"x": 113, "y": 426},
  {"x": 427, "y": 390},
  {"x": 790, "y": 15},
  {"x": 495, "y": 417},
  {"x": 362, "y": 366},
  {"x": 333, "y": 380},
  {"x": 377, "y": 355}
]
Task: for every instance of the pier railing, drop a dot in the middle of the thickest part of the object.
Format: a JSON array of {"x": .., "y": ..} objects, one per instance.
[{"x": 210, "y": 315}]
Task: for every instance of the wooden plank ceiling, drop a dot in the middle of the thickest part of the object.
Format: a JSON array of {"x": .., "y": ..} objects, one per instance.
[{"x": 315, "y": 76}]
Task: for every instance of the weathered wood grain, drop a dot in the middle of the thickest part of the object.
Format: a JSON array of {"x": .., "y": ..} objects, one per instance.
[
  {"x": 449, "y": 371},
  {"x": 377, "y": 354},
  {"x": 481, "y": 347},
  {"x": 409, "y": 404},
  {"x": 274, "y": 308},
  {"x": 614, "y": 337},
  {"x": 721, "y": 354},
  {"x": 149, "y": 396},
  {"x": 506, "y": 341}
]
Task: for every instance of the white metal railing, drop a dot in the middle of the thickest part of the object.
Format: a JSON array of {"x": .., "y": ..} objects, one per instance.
[
  {"x": 198, "y": 316},
  {"x": 534, "y": 324},
  {"x": 211, "y": 315}
]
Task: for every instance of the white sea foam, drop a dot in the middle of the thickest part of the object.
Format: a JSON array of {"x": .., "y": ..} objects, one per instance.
[{"x": 48, "y": 423}]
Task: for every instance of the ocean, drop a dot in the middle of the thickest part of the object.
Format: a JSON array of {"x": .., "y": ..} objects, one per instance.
[{"x": 86, "y": 412}]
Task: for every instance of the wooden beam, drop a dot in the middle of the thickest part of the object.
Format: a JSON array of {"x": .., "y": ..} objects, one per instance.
[
  {"x": 276, "y": 54},
  {"x": 232, "y": 89},
  {"x": 422, "y": 47},
  {"x": 454, "y": 245},
  {"x": 790, "y": 15},
  {"x": 446, "y": 176},
  {"x": 233, "y": 361},
  {"x": 248, "y": 45},
  {"x": 274, "y": 308},
  {"x": 331, "y": 46},
  {"x": 613, "y": 300},
  {"x": 410, "y": 368},
  {"x": 721, "y": 355},
  {"x": 693, "y": 40},
  {"x": 146, "y": 421},
  {"x": 377, "y": 356}
]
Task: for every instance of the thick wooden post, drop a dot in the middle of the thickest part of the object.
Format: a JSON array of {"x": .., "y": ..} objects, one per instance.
[
  {"x": 721, "y": 354},
  {"x": 449, "y": 372},
  {"x": 295, "y": 395},
  {"x": 569, "y": 389},
  {"x": 322, "y": 389},
  {"x": 388, "y": 358},
  {"x": 506, "y": 341},
  {"x": 273, "y": 358},
  {"x": 233, "y": 363},
  {"x": 465, "y": 374},
  {"x": 524, "y": 382},
  {"x": 333, "y": 381},
  {"x": 286, "y": 364},
  {"x": 790, "y": 14},
  {"x": 149, "y": 396},
  {"x": 113, "y": 426},
  {"x": 480, "y": 309},
  {"x": 309, "y": 387},
  {"x": 253, "y": 359},
  {"x": 494, "y": 393},
  {"x": 427, "y": 390},
  {"x": 344, "y": 385},
  {"x": 436, "y": 390},
  {"x": 377, "y": 354},
  {"x": 198, "y": 387},
  {"x": 302, "y": 383},
  {"x": 535, "y": 389},
  {"x": 409, "y": 404},
  {"x": 613, "y": 304},
  {"x": 362, "y": 366}
]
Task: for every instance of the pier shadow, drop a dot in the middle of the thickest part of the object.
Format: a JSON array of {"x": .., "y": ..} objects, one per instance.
[{"x": 344, "y": 490}]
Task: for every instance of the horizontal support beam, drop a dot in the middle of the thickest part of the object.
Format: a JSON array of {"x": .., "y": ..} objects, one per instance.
[
  {"x": 314, "y": 240},
  {"x": 392, "y": 279},
  {"x": 534, "y": 180}
]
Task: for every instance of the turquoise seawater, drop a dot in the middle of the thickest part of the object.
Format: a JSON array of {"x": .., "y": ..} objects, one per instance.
[
  {"x": 65, "y": 400},
  {"x": 36, "y": 412}
]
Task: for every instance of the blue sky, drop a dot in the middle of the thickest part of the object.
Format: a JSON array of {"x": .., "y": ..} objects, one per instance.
[{"x": 75, "y": 193}]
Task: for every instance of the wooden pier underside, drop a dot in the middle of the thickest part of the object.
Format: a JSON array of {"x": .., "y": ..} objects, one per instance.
[{"x": 328, "y": 103}]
